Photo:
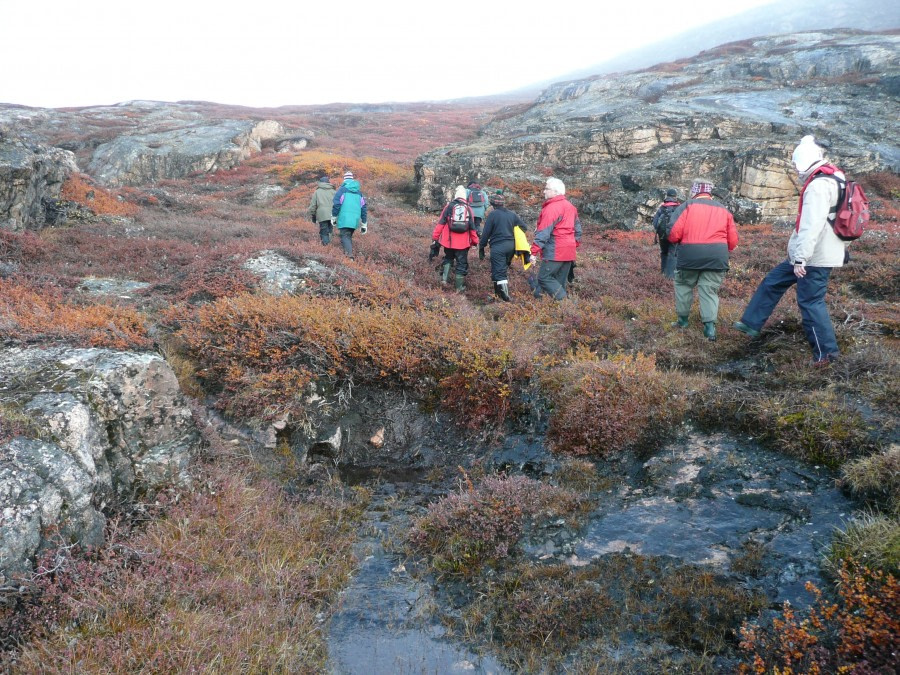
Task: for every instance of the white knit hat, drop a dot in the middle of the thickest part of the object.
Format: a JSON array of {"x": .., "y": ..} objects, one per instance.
[
  {"x": 460, "y": 192},
  {"x": 348, "y": 175},
  {"x": 806, "y": 154}
]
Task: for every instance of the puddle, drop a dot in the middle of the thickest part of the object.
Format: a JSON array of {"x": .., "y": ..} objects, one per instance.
[{"x": 386, "y": 623}]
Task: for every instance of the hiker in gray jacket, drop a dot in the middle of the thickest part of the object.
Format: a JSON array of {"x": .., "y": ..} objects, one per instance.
[{"x": 320, "y": 209}]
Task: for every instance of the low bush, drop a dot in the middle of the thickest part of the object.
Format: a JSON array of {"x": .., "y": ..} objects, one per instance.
[
  {"x": 259, "y": 352},
  {"x": 81, "y": 189},
  {"x": 29, "y": 315},
  {"x": 481, "y": 524},
  {"x": 604, "y": 406},
  {"x": 859, "y": 633}
]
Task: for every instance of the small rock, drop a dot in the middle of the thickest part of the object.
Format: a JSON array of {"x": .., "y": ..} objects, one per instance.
[{"x": 378, "y": 439}]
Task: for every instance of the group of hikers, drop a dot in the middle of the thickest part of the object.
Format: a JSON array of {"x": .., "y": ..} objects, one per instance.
[
  {"x": 695, "y": 239},
  {"x": 344, "y": 208}
]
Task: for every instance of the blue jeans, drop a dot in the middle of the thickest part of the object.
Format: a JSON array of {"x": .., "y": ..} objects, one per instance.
[{"x": 810, "y": 298}]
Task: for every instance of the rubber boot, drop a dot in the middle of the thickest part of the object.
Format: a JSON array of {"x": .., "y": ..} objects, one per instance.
[
  {"x": 445, "y": 273},
  {"x": 460, "y": 283},
  {"x": 709, "y": 330},
  {"x": 501, "y": 288},
  {"x": 681, "y": 323}
]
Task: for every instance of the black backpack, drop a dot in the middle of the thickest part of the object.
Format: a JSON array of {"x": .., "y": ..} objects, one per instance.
[
  {"x": 663, "y": 225},
  {"x": 476, "y": 196}
]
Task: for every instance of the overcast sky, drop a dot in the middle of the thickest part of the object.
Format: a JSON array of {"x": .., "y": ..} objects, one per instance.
[{"x": 273, "y": 52}]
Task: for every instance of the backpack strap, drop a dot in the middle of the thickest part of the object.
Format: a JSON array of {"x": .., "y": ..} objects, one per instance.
[{"x": 824, "y": 170}]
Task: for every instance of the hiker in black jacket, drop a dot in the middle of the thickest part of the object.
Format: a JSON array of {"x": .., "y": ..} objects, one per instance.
[
  {"x": 662, "y": 225},
  {"x": 499, "y": 235}
]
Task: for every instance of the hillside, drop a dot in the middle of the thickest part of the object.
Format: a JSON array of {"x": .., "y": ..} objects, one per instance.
[
  {"x": 732, "y": 113},
  {"x": 396, "y": 476}
]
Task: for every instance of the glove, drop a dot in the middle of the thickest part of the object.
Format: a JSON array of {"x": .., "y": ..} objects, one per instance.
[
  {"x": 313, "y": 218},
  {"x": 435, "y": 249},
  {"x": 481, "y": 254},
  {"x": 364, "y": 228}
]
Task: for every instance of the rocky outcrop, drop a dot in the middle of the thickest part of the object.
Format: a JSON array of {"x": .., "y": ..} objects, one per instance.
[
  {"x": 30, "y": 178},
  {"x": 280, "y": 276},
  {"x": 732, "y": 114},
  {"x": 143, "y": 158},
  {"x": 108, "y": 427}
]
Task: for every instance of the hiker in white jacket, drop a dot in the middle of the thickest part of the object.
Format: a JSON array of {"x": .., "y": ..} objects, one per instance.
[{"x": 813, "y": 251}]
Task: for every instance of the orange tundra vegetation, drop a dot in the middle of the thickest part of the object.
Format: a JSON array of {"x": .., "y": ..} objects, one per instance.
[{"x": 81, "y": 189}]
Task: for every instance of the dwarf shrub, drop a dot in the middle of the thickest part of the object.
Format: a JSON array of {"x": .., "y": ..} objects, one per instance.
[
  {"x": 481, "y": 524},
  {"x": 606, "y": 406},
  {"x": 860, "y": 633}
]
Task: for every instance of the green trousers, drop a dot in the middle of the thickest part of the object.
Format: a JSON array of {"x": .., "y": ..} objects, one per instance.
[{"x": 707, "y": 283}]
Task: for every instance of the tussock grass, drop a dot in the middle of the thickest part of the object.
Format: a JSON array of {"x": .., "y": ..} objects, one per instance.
[{"x": 872, "y": 539}]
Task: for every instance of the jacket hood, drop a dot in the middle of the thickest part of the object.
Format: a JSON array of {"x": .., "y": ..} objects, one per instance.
[
  {"x": 351, "y": 185},
  {"x": 325, "y": 184},
  {"x": 806, "y": 174}
]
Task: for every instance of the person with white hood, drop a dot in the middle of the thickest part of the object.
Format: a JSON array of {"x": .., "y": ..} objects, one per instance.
[{"x": 813, "y": 251}]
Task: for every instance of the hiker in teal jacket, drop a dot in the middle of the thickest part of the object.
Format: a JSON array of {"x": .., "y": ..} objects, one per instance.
[{"x": 349, "y": 211}]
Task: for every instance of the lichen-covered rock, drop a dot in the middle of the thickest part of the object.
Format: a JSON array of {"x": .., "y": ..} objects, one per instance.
[
  {"x": 31, "y": 176},
  {"x": 732, "y": 114},
  {"x": 142, "y": 158},
  {"x": 279, "y": 275},
  {"x": 113, "y": 426}
]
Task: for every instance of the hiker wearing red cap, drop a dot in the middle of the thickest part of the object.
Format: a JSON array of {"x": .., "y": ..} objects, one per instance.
[{"x": 705, "y": 233}]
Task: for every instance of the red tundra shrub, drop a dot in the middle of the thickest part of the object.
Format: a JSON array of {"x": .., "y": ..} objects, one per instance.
[
  {"x": 32, "y": 315},
  {"x": 860, "y": 633},
  {"x": 605, "y": 406}
]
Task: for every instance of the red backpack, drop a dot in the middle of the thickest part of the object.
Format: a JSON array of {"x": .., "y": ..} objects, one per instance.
[
  {"x": 852, "y": 210},
  {"x": 851, "y": 213}
]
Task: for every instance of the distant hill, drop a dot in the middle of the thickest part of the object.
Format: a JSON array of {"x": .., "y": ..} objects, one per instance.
[{"x": 786, "y": 16}]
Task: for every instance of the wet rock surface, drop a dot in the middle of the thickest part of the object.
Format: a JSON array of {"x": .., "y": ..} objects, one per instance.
[{"x": 754, "y": 519}]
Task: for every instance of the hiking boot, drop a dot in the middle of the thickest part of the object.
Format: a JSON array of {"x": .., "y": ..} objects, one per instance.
[
  {"x": 826, "y": 360},
  {"x": 709, "y": 330},
  {"x": 682, "y": 322},
  {"x": 744, "y": 328},
  {"x": 445, "y": 273},
  {"x": 501, "y": 288},
  {"x": 460, "y": 283}
]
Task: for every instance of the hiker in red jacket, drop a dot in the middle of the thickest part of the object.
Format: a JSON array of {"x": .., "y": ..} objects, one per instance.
[
  {"x": 455, "y": 231},
  {"x": 557, "y": 235},
  {"x": 705, "y": 232}
]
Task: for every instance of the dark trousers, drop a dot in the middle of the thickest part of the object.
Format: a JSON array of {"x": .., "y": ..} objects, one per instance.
[
  {"x": 347, "y": 239},
  {"x": 501, "y": 257},
  {"x": 460, "y": 256},
  {"x": 810, "y": 299},
  {"x": 668, "y": 257},
  {"x": 325, "y": 229},
  {"x": 552, "y": 278}
]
